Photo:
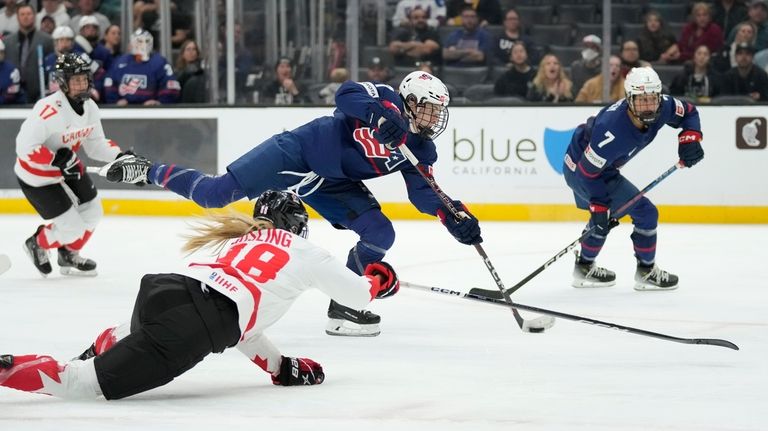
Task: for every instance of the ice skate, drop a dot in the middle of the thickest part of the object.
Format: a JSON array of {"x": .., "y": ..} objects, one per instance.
[
  {"x": 39, "y": 255},
  {"x": 344, "y": 321},
  {"x": 128, "y": 169},
  {"x": 71, "y": 263},
  {"x": 588, "y": 274},
  {"x": 654, "y": 278}
]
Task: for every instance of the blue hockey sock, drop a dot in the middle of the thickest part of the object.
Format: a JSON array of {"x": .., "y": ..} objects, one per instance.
[{"x": 205, "y": 190}]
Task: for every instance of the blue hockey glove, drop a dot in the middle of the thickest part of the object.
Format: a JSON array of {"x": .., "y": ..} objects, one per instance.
[
  {"x": 600, "y": 217},
  {"x": 689, "y": 147},
  {"x": 466, "y": 230},
  {"x": 70, "y": 165},
  {"x": 389, "y": 284},
  {"x": 390, "y": 128}
]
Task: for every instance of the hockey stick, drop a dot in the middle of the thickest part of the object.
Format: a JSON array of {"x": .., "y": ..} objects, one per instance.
[
  {"x": 538, "y": 324},
  {"x": 614, "y": 222},
  {"x": 582, "y": 319}
]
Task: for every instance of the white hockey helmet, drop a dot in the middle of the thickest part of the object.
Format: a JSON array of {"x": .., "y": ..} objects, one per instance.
[
  {"x": 63, "y": 32},
  {"x": 639, "y": 81},
  {"x": 430, "y": 96},
  {"x": 141, "y": 44}
]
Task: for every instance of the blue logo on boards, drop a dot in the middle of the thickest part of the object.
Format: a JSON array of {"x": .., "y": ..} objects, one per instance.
[{"x": 555, "y": 144}]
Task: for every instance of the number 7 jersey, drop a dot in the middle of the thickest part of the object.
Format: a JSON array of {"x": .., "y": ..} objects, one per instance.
[{"x": 264, "y": 271}]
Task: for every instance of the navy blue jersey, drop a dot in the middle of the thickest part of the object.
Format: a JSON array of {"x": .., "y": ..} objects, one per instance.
[
  {"x": 342, "y": 147},
  {"x": 606, "y": 142},
  {"x": 10, "y": 84},
  {"x": 140, "y": 81}
]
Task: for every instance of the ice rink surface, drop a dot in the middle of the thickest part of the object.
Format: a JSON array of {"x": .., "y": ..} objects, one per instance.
[{"x": 441, "y": 363}]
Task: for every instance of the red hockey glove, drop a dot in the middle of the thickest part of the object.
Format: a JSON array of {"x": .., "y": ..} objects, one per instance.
[
  {"x": 689, "y": 147},
  {"x": 466, "y": 230},
  {"x": 298, "y": 371},
  {"x": 388, "y": 282},
  {"x": 70, "y": 165}
]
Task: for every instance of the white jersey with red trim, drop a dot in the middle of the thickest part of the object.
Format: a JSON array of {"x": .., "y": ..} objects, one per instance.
[
  {"x": 53, "y": 124},
  {"x": 264, "y": 271}
]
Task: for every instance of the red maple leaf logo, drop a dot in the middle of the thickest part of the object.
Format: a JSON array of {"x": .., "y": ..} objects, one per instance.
[
  {"x": 41, "y": 155},
  {"x": 112, "y": 143}
]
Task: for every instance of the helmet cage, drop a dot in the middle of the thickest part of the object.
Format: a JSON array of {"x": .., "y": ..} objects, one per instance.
[
  {"x": 69, "y": 65},
  {"x": 647, "y": 117},
  {"x": 433, "y": 116},
  {"x": 284, "y": 210}
]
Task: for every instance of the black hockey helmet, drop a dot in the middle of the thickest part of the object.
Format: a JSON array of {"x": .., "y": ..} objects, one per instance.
[
  {"x": 283, "y": 209},
  {"x": 69, "y": 65}
]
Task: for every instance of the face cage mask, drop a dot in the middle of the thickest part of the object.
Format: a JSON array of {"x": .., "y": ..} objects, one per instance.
[
  {"x": 80, "y": 97},
  {"x": 440, "y": 121},
  {"x": 646, "y": 117}
]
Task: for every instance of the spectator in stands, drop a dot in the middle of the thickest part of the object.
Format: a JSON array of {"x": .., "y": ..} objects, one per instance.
[
  {"x": 592, "y": 91},
  {"x": 550, "y": 83},
  {"x": 517, "y": 79},
  {"x": 47, "y": 24},
  {"x": 181, "y": 25},
  {"x": 415, "y": 42},
  {"x": 190, "y": 74},
  {"x": 378, "y": 71},
  {"x": 630, "y": 57},
  {"x": 10, "y": 81},
  {"x": 112, "y": 41},
  {"x": 699, "y": 81},
  {"x": 8, "y": 21},
  {"x": 54, "y": 9},
  {"x": 63, "y": 43},
  {"x": 88, "y": 8},
  {"x": 141, "y": 77},
  {"x": 656, "y": 43},
  {"x": 87, "y": 41},
  {"x": 513, "y": 32},
  {"x": 470, "y": 45},
  {"x": 488, "y": 11},
  {"x": 746, "y": 78},
  {"x": 434, "y": 11},
  {"x": 758, "y": 15},
  {"x": 728, "y": 13},
  {"x": 590, "y": 64},
  {"x": 700, "y": 31},
  {"x": 338, "y": 76},
  {"x": 745, "y": 32},
  {"x": 21, "y": 50},
  {"x": 425, "y": 66},
  {"x": 284, "y": 90}
]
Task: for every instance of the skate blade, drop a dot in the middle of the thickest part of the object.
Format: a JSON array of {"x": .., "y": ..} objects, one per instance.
[
  {"x": 640, "y": 287},
  {"x": 69, "y": 271},
  {"x": 345, "y": 328},
  {"x": 591, "y": 284}
]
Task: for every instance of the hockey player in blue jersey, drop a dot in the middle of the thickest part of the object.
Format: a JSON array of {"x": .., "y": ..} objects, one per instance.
[
  {"x": 141, "y": 77},
  {"x": 10, "y": 81},
  {"x": 325, "y": 161},
  {"x": 604, "y": 144}
]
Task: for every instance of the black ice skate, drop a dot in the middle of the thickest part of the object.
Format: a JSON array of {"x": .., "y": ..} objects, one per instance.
[
  {"x": 654, "y": 278},
  {"x": 89, "y": 353},
  {"x": 128, "y": 169},
  {"x": 71, "y": 263},
  {"x": 588, "y": 274},
  {"x": 345, "y": 321},
  {"x": 39, "y": 255}
]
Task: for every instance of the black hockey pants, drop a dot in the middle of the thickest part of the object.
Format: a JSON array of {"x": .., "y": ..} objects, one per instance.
[{"x": 175, "y": 324}]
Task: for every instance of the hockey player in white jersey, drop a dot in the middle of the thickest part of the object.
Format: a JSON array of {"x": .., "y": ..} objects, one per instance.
[
  {"x": 263, "y": 264},
  {"x": 53, "y": 178}
]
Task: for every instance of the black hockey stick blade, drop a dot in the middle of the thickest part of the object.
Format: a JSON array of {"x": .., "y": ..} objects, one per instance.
[{"x": 575, "y": 318}]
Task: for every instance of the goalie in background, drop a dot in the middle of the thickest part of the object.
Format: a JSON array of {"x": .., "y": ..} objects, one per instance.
[
  {"x": 326, "y": 161},
  {"x": 51, "y": 175},
  {"x": 263, "y": 264}
]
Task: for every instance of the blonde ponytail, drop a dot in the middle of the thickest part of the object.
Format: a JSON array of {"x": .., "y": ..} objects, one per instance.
[{"x": 215, "y": 229}]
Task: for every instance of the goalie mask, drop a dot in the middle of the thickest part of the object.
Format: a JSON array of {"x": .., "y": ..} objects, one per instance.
[
  {"x": 284, "y": 210},
  {"x": 141, "y": 44},
  {"x": 642, "y": 89},
  {"x": 426, "y": 103},
  {"x": 69, "y": 65}
]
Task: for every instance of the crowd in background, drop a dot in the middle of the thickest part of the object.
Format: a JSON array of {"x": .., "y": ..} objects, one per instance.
[{"x": 504, "y": 51}]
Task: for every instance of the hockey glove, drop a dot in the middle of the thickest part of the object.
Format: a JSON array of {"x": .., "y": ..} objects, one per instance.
[
  {"x": 689, "y": 147},
  {"x": 466, "y": 229},
  {"x": 131, "y": 153},
  {"x": 390, "y": 128},
  {"x": 70, "y": 165},
  {"x": 298, "y": 371},
  {"x": 600, "y": 217},
  {"x": 388, "y": 282}
]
